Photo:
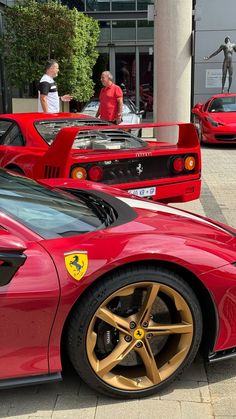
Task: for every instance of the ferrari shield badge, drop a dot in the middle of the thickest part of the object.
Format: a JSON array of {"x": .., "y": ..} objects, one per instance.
[{"x": 76, "y": 264}]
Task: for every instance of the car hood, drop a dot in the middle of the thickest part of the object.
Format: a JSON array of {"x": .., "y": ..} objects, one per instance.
[{"x": 227, "y": 118}]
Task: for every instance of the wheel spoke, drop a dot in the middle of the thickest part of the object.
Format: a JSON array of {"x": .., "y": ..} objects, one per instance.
[
  {"x": 144, "y": 313},
  {"x": 170, "y": 329},
  {"x": 116, "y": 321},
  {"x": 117, "y": 355},
  {"x": 149, "y": 361},
  {"x": 179, "y": 356}
]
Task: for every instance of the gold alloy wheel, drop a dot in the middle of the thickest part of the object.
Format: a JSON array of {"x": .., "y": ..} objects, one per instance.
[{"x": 158, "y": 347}]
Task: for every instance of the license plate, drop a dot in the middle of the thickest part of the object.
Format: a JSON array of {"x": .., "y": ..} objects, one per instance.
[{"x": 144, "y": 192}]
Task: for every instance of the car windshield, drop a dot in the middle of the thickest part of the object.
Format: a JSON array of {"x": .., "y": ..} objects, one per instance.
[
  {"x": 52, "y": 213},
  {"x": 90, "y": 140},
  {"x": 223, "y": 104}
]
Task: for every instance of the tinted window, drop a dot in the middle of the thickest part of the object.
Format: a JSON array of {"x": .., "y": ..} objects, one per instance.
[
  {"x": 48, "y": 213},
  {"x": 4, "y": 126},
  {"x": 223, "y": 104},
  {"x": 10, "y": 134}
]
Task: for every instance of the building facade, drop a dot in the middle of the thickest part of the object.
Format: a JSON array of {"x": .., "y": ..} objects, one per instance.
[
  {"x": 214, "y": 21},
  {"x": 127, "y": 49},
  {"x": 125, "y": 45}
]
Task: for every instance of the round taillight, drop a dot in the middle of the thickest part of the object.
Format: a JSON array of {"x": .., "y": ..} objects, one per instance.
[
  {"x": 178, "y": 164},
  {"x": 189, "y": 163},
  {"x": 95, "y": 173},
  {"x": 79, "y": 173}
]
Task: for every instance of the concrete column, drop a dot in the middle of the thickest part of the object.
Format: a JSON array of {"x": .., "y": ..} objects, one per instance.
[{"x": 172, "y": 60}]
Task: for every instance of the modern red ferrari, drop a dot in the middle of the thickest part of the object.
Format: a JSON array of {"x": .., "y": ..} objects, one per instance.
[
  {"x": 215, "y": 119},
  {"x": 126, "y": 288},
  {"x": 82, "y": 147}
]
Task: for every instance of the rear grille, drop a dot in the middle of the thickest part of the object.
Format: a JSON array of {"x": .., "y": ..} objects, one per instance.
[
  {"x": 51, "y": 171},
  {"x": 137, "y": 169}
]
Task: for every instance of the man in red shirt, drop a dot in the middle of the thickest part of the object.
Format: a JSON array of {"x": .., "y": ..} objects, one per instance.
[{"x": 111, "y": 100}]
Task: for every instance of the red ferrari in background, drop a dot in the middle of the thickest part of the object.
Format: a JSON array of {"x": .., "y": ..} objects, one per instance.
[
  {"x": 126, "y": 288},
  {"x": 81, "y": 147},
  {"x": 215, "y": 119}
]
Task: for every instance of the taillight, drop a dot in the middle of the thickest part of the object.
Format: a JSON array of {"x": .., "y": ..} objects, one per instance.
[
  {"x": 178, "y": 164},
  {"x": 181, "y": 164},
  {"x": 95, "y": 173},
  {"x": 78, "y": 173},
  {"x": 189, "y": 163}
]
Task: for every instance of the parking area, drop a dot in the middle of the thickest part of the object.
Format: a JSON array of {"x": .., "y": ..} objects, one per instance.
[{"x": 204, "y": 390}]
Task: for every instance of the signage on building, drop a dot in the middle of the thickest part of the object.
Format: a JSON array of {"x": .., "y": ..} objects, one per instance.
[
  {"x": 150, "y": 12},
  {"x": 214, "y": 78}
]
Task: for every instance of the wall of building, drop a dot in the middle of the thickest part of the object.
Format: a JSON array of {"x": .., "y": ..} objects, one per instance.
[{"x": 214, "y": 20}]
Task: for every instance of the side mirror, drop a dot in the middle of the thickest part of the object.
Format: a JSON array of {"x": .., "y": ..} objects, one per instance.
[
  {"x": 11, "y": 243},
  {"x": 197, "y": 107}
]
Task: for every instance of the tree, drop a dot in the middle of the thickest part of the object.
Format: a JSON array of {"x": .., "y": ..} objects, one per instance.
[{"x": 35, "y": 32}]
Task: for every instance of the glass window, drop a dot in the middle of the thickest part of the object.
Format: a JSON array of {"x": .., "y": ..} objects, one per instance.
[
  {"x": 8, "y": 2},
  {"x": 223, "y": 104},
  {"x": 123, "y": 30},
  {"x": 145, "y": 30},
  {"x": 146, "y": 79},
  {"x": 101, "y": 65},
  {"x": 97, "y": 5},
  {"x": 123, "y": 5},
  {"x": 125, "y": 61},
  {"x": 10, "y": 134},
  {"x": 143, "y": 4},
  {"x": 105, "y": 27},
  {"x": 49, "y": 129},
  {"x": 78, "y": 4},
  {"x": 4, "y": 126},
  {"x": 49, "y": 213}
]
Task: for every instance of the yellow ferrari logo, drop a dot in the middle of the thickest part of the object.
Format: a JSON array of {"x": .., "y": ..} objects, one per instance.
[
  {"x": 139, "y": 334},
  {"x": 76, "y": 264}
]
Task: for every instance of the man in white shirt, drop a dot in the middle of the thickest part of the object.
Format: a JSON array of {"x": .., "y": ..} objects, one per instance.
[{"x": 48, "y": 99}]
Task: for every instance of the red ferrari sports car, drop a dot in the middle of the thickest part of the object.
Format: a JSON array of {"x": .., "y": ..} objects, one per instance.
[
  {"x": 81, "y": 147},
  {"x": 215, "y": 120},
  {"x": 126, "y": 288}
]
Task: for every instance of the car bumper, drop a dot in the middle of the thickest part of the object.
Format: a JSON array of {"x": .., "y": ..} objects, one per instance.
[
  {"x": 179, "y": 192},
  {"x": 219, "y": 137}
]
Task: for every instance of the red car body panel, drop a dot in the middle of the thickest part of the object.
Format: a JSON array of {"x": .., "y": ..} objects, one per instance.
[
  {"x": 36, "y": 159},
  {"x": 27, "y": 311},
  {"x": 224, "y": 131},
  {"x": 39, "y": 298}
]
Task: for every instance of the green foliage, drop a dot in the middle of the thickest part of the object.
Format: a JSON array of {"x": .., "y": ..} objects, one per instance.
[{"x": 35, "y": 32}]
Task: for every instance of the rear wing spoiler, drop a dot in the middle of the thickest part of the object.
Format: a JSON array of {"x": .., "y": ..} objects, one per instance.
[{"x": 56, "y": 161}]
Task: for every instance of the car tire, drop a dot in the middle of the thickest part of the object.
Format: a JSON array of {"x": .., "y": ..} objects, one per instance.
[{"x": 134, "y": 332}]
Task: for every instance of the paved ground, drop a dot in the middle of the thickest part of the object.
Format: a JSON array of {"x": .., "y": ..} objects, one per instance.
[{"x": 204, "y": 391}]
